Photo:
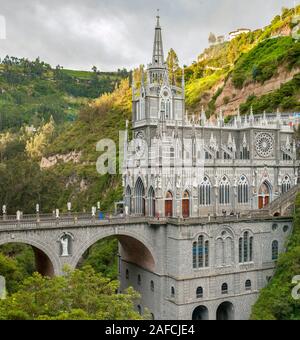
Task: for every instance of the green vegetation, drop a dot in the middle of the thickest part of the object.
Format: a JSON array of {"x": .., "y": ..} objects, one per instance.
[
  {"x": 16, "y": 264},
  {"x": 197, "y": 88},
  {"x": 67, "y": 118},
  {"x": 286, "y": 99},
  {"x": 253, "y": 57},
  {"x": 175, "y": 72},
  {"x": 262, "y": 62},
  {"x": 31, "y": 92},
  {"x": 276, "y": 301},
  {"x": 103, "y": 257},
  {"x": 79, "y": 295}
]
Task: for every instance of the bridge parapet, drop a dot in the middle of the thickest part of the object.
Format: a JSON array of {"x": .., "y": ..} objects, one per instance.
[{"x": 29, "y": 222}]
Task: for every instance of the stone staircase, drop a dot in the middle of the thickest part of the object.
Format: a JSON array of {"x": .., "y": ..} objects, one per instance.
[{"x": 284, "y": 205}]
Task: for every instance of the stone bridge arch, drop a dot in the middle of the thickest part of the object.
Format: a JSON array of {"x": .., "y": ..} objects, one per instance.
[
  {"x": 47, "y": 261},
  {"x": 135, "y": 248}
]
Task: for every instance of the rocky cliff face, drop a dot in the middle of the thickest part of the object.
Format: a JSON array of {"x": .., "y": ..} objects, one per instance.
[
  {"x": 50, "y": 162},
  {"x": 231, "y": 98}
]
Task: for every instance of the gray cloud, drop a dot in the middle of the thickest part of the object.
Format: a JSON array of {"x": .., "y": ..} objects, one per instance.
[{"x": 114, "y": 34}]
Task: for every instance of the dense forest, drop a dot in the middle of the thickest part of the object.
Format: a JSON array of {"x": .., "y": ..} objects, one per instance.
[{"x": 50, "y": 122}]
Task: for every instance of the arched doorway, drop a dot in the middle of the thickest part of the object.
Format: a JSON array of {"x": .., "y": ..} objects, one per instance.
[
  {"x": 139, "y": 198},
  {"x": 225, "y": 311},
  {"x": 264, "y": 195},
  {"x": 169, "y": 205},
  {"x": 200, "y": 313},
  {"x": 186, "y": 205},
  {"x": 151, "y": 203}
]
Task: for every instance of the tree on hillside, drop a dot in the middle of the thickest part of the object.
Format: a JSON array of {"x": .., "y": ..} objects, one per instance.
[
  {"x": 173, "y": 67},
  {"x": 212, "y": 39},
  {"x": 80, "y": 294},
  {"x": 36, "y": 144}
]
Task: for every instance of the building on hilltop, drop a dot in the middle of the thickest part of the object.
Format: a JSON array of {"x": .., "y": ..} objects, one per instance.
[{"x": 232, "y": 35}]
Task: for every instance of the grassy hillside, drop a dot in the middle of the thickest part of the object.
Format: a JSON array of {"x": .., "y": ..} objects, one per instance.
[
  {"x": 21, "y": 153},
  {"x": 262, "y": 62},
  {"x": 31, "y": 91},
  {"x": 276, "y": 301},
  {"x": 103, "y": 118},
  {"x": 254, "y": 57}
]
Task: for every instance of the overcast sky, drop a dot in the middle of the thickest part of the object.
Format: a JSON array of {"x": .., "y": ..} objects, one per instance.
[{"x": 113, "y": 34}]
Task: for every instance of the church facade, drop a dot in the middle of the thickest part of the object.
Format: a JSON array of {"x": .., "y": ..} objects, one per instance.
[{"x": 183, "y": 167}]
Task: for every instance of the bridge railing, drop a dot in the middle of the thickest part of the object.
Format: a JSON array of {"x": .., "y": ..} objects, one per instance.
[
  {"x": 84, "y": 219},
  {"x": 68, "y": 219}
]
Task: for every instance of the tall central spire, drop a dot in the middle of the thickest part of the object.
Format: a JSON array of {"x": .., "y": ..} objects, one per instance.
[{"x": 158, "y": 51}]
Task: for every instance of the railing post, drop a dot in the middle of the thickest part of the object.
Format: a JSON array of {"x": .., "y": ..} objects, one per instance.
[
  {"x": 18, "y": 216},
  {"x": 94, "y": 210},
  {"x": 37, "y": 208},
  {"x": 57, "y": 216},
  {"x": 4, "y": 212},
  {"x": 69, "y": 207}
]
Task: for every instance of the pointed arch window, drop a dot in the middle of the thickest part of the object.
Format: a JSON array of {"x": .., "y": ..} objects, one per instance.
[
  {"x": 200, "y": 253},
  {"x": 139, "y": 197},
  {"x": 224, "y": 191},
  {"x": 275, "y": 250},
  {"x": 168, "y": 109},
  {"x": 151, "y": 202},
  {"x": 246, "y": 248},
  {"x": 243, "y": 190},
  {"x": 195, "y": 245},
  {"x": 286, "y": 185},
  {"x": 128, "y": 199},
  {"x": 205, "y": 192},
  {"x": 245, "y": 153}
]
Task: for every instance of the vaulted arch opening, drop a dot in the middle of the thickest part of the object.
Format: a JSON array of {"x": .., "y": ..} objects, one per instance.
[
  {"x": 113, "y": 249},
  {"x": 225, "y": 311},
  {"x": 30, "y": 258},
  {"x": 200, "y": 313}
]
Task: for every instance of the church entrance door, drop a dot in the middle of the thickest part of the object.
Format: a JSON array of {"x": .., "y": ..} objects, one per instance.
[
  {"x": 186, "y": 205},
  {"x": 264, "y": 195},
  {"x": 169, "y": 205}
]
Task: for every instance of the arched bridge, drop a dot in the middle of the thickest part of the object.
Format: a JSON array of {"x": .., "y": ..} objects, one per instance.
[{"x": 63, "y": 241}]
